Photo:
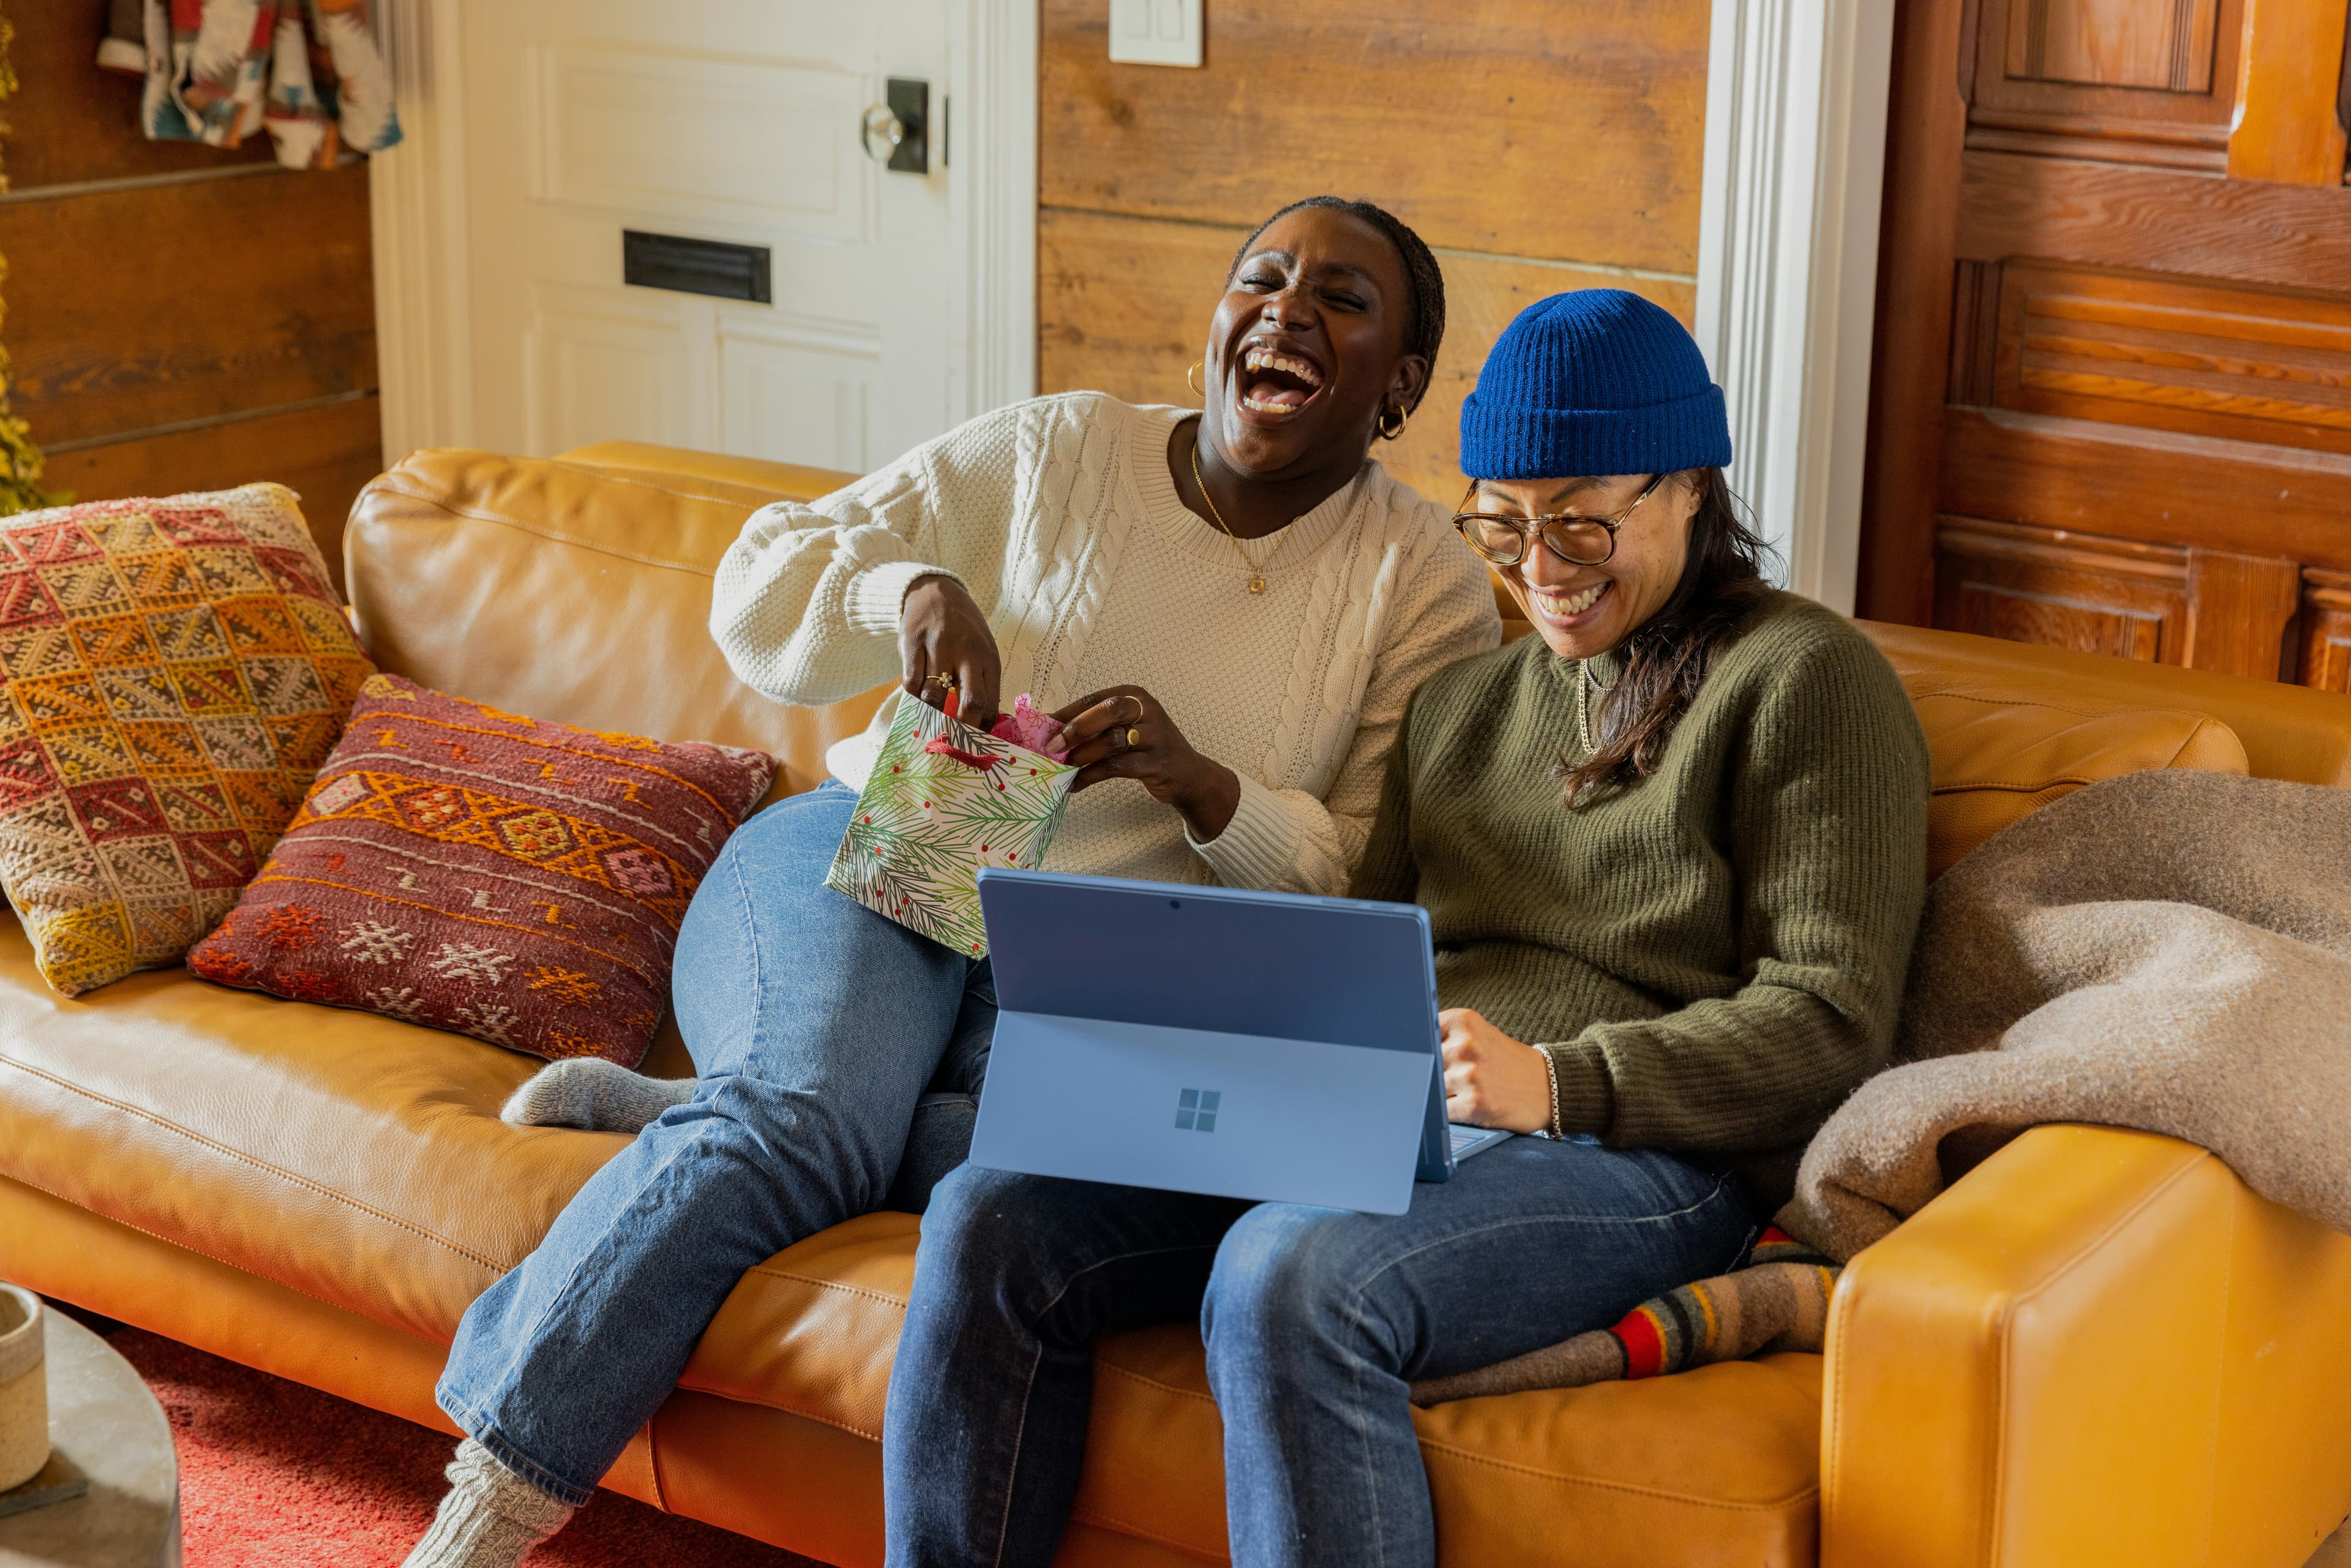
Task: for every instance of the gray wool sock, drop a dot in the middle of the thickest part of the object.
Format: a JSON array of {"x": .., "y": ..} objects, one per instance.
[
  {"x": 591, "y": 1092},
  {"x": 490, "y": 1517}
]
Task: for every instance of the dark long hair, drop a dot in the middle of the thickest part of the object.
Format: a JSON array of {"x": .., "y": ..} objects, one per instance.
[
  {"x": 1424, "y": 322},
  {"x": 1666, "y": 658}
]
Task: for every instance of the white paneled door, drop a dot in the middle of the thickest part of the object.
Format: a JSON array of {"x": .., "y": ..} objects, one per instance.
[{"x": 729, "y": 120}]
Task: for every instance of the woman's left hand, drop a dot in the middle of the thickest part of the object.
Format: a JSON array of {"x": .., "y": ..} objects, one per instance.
[
  {"x": 1124, "y": 733},
  {"x": 1492, "y": 1080}
]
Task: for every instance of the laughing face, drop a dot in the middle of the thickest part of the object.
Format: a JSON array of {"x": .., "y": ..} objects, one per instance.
[
  {"x": 1307, "y": 346},
  {"x": 1584, "y": 610}
]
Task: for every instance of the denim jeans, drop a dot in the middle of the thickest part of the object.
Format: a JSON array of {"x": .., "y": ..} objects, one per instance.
[
  {"x": 1316, "y": 1321},
  {"x": 817, "y": 1027}
]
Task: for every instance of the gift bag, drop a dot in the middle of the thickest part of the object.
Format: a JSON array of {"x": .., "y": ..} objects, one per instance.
[{"x": 942, "y": 801}]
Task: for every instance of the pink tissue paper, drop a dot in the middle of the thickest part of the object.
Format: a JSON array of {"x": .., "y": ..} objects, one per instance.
[{"x": 1030, "y": 725}]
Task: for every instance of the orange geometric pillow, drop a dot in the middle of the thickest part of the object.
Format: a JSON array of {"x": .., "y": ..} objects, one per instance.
[
  {"x": 475, "y": 871},
  {"x": 171, "y": 673}
]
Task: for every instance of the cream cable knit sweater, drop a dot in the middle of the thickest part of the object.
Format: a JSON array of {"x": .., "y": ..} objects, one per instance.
[{"x": 1060, "y": 517}]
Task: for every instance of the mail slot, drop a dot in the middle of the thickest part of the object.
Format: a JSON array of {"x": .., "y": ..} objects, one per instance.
[{"x": 696, "y": 265}]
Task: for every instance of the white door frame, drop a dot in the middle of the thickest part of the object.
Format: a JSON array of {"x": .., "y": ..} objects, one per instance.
[
  {"x": 416, "y": 212},
  {"x": 1787, "y": 264},
  {"x": 417, "y": 208},
  {"x": 992, "y": 202}
]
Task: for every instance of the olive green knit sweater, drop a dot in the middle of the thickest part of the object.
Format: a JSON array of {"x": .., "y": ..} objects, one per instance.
[{"x": 1712, "y": 955}]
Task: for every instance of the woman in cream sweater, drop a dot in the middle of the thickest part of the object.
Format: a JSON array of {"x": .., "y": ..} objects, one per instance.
[{"x": 1230, "y": 610}]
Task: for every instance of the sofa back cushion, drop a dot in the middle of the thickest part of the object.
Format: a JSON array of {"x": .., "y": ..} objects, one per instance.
[
  {"x": 2287, "y": 731},
  {"x": 578, "y": 590},
  {"x": 1998, "y": 755},
  {"x": 571, "y": 594},
  {"x": 2006, "y": 734},
  {"x": 2004, "y": 740}
]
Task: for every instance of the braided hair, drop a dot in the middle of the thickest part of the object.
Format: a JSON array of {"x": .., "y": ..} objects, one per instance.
[{"x": 1424, "y": 327}]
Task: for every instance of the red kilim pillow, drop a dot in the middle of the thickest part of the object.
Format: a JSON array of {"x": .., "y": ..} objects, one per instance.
[
  {"x": 476, "y": 871},
  {"x": 173, "y": 671}
]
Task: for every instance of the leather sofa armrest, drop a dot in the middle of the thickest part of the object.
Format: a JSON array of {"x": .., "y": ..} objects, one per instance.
[{"x": 2089, "y": 1349}]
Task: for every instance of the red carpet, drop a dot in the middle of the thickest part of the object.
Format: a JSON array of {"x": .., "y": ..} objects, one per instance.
[{"x": 273, "y": 1473}]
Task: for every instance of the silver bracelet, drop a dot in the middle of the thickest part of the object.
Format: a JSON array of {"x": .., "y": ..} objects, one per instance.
[{"x": 1551, "y": 1070}]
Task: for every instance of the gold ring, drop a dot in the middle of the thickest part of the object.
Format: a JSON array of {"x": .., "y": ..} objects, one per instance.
[
  {"x": 1133, "y": 738},
  {"x": 1138, "y": 706}
]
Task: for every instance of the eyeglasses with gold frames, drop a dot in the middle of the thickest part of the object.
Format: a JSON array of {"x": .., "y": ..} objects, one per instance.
[{"x": 1504, "y": 540}]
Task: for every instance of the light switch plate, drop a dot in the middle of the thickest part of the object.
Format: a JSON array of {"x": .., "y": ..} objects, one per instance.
[{"x": 1156, "y": 32}]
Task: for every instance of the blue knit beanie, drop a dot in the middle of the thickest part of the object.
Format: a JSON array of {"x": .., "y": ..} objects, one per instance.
[{"x": 1594, "y": 381}]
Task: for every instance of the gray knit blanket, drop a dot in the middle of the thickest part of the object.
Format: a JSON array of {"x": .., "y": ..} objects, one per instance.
[{"x": 2168, "y": 951}]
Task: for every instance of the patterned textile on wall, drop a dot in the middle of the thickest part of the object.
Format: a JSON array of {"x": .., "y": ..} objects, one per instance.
[
  {"x": 480, "y": 871},
  {"x": 219, "y": 70},
  {"x": 174, "y": 672}
]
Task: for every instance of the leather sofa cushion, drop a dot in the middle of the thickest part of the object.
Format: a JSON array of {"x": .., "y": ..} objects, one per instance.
[
  {"x": 569, "y": 595},
  {"x": 2286, "y": 731},
  {"x": 1716, "y": 1465},
  {"x": 1999, "y": 755},
  {"x": 2004, "y": 739},
  {"x": 354, "y": 1157},
  {"x": 360, "y": 1161},
  {"x": 689, "y": 469}
]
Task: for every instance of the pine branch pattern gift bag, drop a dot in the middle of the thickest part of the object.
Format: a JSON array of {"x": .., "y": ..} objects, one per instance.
[{"x": 942, "y": 801}]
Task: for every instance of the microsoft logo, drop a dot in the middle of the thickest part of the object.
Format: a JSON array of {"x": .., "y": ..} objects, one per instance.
[{"x": 1195, "y": 1109}]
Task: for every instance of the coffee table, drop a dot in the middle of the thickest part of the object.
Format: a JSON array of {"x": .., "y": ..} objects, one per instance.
[{"x": 103, "y": 1419}]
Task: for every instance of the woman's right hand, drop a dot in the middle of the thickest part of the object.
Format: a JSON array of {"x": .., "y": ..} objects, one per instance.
[
  {"x": 1492, "y": 1080},
  {"x": 943, "y": 636}
]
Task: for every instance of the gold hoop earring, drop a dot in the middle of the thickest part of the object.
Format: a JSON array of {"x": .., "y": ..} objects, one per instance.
[
  {"x": 1403, "y": 417},
  {"x": 1197, "y": 390}
]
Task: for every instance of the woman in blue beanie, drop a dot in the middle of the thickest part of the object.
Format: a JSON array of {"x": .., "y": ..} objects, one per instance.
[{"x": 1673, "y": 850}]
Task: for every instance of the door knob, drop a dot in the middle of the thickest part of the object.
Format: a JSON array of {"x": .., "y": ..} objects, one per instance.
[
  {"x": 880, "y": 125},
  {"x": 896, "y": 133}
]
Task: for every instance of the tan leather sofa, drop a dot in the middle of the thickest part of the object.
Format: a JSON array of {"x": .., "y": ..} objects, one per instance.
[{"x": 2097, "y": 1348}]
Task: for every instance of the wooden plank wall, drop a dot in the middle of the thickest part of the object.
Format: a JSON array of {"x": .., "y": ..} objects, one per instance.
[
  {"x": 181, "y": 316},
  {"x": 1537, "y": 145}
]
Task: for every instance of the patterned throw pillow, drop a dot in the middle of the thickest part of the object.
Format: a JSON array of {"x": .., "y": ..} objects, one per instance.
[
  {"x": 174, "y": 671},
  {"x": 484, "y": 873}
]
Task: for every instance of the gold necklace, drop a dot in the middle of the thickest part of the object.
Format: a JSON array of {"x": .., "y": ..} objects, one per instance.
[
  {"x": 1257, "y": 568},
  {"x": 1584, "y": 685}
]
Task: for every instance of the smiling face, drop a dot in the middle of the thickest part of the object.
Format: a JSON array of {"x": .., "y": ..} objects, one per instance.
[
  {"x": 1306, "y": 346},
  {"x": 1584, "y": 610}
]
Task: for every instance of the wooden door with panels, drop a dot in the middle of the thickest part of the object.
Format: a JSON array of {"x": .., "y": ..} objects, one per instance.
[{"x": 2110, "y": 395}]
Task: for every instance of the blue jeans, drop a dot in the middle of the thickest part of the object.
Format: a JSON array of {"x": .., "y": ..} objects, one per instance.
[
  {"x": 1316, "y": 1320},
  {"x": 817, "y": 1027}
]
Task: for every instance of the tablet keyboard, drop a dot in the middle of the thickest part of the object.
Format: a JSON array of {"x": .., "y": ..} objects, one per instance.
[{"x": 1468, "y": 1140}]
